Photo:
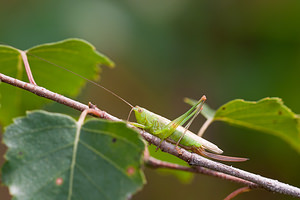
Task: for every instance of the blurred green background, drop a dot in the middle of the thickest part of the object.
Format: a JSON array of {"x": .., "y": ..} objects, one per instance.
[{"x": 171, "y": 49}]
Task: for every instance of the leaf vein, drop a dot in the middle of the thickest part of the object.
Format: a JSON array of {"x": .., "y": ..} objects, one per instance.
[{"x": 104, "y": 157}]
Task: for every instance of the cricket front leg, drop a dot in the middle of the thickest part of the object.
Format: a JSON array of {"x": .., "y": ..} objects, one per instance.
[{"x": 141, "y": 126}]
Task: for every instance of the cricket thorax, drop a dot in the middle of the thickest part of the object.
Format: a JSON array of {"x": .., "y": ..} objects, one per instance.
[{"x": 152, "y": 121}]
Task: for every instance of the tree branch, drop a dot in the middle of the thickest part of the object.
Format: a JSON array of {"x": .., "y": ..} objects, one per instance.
[
  {"x": 191, "y": 158},
  {"x": 155, "y": 163}
]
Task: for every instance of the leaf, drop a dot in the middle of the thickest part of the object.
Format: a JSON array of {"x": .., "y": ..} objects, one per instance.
[
  {"x": 107, "y": 163},
  {"x": 268, "y": 115},
  {"x": 11, "y": 65},
  {"x": 74, "y": 54}
]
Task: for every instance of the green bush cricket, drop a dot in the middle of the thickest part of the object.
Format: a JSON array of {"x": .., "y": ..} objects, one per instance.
[{"x": 172, "y": 131}]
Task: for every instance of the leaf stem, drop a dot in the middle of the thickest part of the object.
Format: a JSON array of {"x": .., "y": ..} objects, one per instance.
[
  {"x": 204, "y": 127},
  {"x": 27, "y": 67}
]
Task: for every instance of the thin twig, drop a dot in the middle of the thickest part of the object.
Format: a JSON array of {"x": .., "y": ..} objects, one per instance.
[
  {"x": 237, "y": 192},
  {"x": 191, "y": 158},
  {"x": 155, "y": 163}
]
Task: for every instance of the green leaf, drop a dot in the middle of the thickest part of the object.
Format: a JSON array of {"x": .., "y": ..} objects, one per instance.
[
  {"x": 268, "y": 115},
  {"x": 11, "y": 65},
  {"x": 107, "y": 163},
  {"x": 74, "y": 54}
]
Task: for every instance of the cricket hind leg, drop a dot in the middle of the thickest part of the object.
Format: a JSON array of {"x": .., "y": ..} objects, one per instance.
[
  {"x": 198, "y": 111},
  {"x": 213, "y": 156},
  {"x": 191, "y": 114}
]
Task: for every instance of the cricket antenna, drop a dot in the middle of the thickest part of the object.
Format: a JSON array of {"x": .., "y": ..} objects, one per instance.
[{"x": 93, "y": 82}]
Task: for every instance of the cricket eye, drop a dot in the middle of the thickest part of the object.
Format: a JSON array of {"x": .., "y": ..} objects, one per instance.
[{"x": 140, "y": 110}]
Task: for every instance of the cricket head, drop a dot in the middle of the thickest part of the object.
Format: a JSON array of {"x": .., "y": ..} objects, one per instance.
[{"x": 140, "y": 114}]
